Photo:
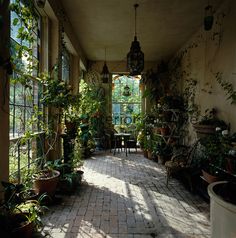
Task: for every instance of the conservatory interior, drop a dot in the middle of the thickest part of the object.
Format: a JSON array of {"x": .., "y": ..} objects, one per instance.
[{"x": 117, "y": 118}]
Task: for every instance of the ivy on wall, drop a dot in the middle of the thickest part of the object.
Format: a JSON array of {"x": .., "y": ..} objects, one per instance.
[{"x": 227, "y": 87}]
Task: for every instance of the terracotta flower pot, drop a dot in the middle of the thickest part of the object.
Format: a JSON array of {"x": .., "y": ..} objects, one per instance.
[
  {"x": 204, "y": 130},
  {"x": 231, "y": 164},
  {"x": 46, "y": 182},
  {"x": 209, "y": 177},
  {"x": 165, "y": 131},
  {"x": 145, "y": 153},
  {"x": 149, "y": 154},
  {"x": 22, "y": 227}
]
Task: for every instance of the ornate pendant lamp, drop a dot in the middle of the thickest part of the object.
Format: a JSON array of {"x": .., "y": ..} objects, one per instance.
[
  {"x": 209, "y": 18},
  {"x": 126, "y": 91},
  {"x": 105, "y": 72},
  {"x": 135, "y": 58},
  {"x": 40, "y": 3}
]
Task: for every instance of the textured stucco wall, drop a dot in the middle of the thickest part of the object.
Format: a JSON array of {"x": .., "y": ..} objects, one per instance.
[{"x": 208, "y": 53}]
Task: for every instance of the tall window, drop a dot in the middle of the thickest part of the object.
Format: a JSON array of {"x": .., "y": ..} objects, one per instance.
[
  {"x": 65, "y": 65},
  {"x": 126, "y": 99},
  {"x": 25, "y": 90}
]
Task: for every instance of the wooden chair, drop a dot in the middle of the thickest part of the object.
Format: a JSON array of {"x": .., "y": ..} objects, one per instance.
[
  {"x": 110, "y": 141},
  {"x": 132, "y": 141},
  {"x": 182, "y": 162}
]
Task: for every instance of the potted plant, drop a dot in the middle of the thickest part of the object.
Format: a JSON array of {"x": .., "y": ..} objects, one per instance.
[
  {"x": 69, "y": 180},
  {"x": 172, "y": 102},
  {"x": 71, "y": 117},
  {"x": 216, "y": 147},
  {"x": 57, "y": 93},
  {"x": 17, "y": 218},
  {"x": 149, "y": 148},
  {"x": 208, "y": 124},
  {"x": 85, "y": 137},
  {"x": 92, "y": 111},
  {"x": 164, "y": 129},
  {"x": 163, "y": 150},
  {"x": 145, "y": 147},
  {"x": 231, "y": 161},
  {"x": 45, "y": 180}
]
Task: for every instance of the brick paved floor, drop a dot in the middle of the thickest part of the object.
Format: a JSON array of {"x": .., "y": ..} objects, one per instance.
[{"x": 126, "y": 197}]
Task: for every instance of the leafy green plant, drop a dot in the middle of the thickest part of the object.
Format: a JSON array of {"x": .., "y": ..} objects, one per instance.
[
  {"x": 189, "y": 98},
  {"x": 13, "y": 205},
  {"x": 32, "y": 210},
  {"x": 210, "y": 119},
  {"x": 141, "y": 138},
  {"x": 216, "y": 148},
  {"x": 162, "y": 148},
  {"x": 57, "y": 93},
  {"x": 227, "y": 87},
  {"x": 57, "y": 164},
  {"x": 172, "y": 102}
]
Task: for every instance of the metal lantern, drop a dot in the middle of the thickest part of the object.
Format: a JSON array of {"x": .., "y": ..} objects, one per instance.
[
  {"x": 209, "y": 18},
  {"x": 135, "y": 58},
  {"x": 126, "y": 91},
  {"x": 40, "y": 3},
  {"x": 105, "y": 72}
]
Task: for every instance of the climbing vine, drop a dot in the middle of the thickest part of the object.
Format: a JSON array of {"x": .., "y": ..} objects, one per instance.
[{"x": 227, "y": 87}]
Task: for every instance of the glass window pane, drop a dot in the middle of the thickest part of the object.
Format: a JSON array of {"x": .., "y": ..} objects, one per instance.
[
  {"x": 24, "y": 95},
  {"x": 128, "y": 105},
  {"x": 19, "y": 94},
  {"x": 15, "y": 27},
  {"x": 65, "y": 65},
  {"x": 19, "y": 120}
]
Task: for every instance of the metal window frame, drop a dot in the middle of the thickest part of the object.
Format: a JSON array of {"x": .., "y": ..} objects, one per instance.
[
  {"x": 38, "y": 135},
  {"x": 121, "y": 115}
]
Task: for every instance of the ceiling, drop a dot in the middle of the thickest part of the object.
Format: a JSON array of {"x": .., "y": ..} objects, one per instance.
[{"x": 163, "y": 26}]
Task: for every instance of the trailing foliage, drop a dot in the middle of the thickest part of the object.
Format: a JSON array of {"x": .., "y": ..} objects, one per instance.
[{"x": 227, "y": 87}]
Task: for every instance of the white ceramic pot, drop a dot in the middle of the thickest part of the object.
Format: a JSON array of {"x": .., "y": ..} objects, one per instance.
[{"x": 222, "y": 214}]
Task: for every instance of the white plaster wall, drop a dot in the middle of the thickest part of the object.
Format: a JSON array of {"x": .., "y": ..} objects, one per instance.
[{"x": 215, "y": 52}]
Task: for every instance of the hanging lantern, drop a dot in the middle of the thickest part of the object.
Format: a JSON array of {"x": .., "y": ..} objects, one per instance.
[
  {"x": 135, "y": 58},
  {"x": 105, "y": 72},
  {"x": 126, "y": 91},
  {"x": 40, "y": 3},
  {"x": 209, "y": 18}
]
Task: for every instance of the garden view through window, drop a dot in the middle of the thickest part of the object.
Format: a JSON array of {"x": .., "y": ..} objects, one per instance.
[
  {"x": 126, "y": 99},
  {"x": 25, "y": 90}
]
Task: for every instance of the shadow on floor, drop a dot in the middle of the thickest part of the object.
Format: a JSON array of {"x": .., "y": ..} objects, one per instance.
[{"x": 94, "y": 211}]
